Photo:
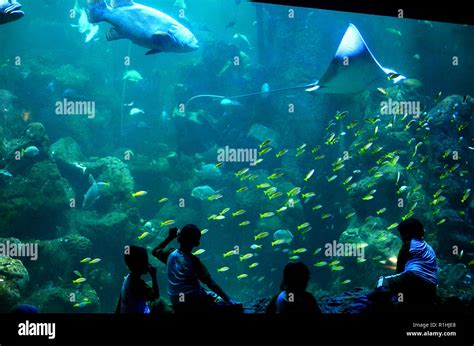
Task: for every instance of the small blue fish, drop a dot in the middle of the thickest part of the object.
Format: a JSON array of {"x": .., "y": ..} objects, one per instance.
[{"x": 31, "y": 151}]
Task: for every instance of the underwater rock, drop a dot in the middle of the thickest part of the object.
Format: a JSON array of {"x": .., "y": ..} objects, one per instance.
[
  {"x": 448, "y": 124},
  {"x": 66, "y": 149},
  {"x": 13, "y": 280},
  {"x": 58, "y": 257},
  {"x": 66, "y": 300},
  {"x": 261, "y": 133},
  {"x": 381, "y": 250},
  {"x": 145, "y": 169},
  {"x": 35, "y": 134},
  {"x": 120, "y": 186},
  {"x": 113, "y": 229},
  {"x": 182, "y": 216},
  {"x": 34, "y": 202},
  {"x": 6, "y": 99},
  {"x": 354, "y": 301}
]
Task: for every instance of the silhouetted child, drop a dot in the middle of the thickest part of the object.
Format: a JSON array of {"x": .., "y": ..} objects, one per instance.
[
  {"x": 136, "y": 294},
  {"x": 293, "y": 298},
  {"x": 416, "y": 274},
  {"x": 186, "y": 272}
]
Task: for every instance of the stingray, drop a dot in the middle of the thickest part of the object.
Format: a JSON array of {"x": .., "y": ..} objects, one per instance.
[{"x": 352, "y": 70}]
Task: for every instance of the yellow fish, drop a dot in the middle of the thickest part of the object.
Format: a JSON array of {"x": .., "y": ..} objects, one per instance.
[
  {"x": 264, "y": 151},
  {"x": 320, "y": 264},
  {"x": 303, "y": 225},
  {"x": 263, "y": 186},
  {"x": 352, "y": 125},
  {"x": 466, "y": 195},
  {"x": 392, "y": 226},
  {"x": 261, "y": 235},
  {"x": 275, "y": 195},
  {"x": 320, "y": 157},
  {"x": 143, "y": 235},
  {"x": 278, "y": 242},
  {"x": 225, "y": 210},
  {"x": 238, "y": 212},
  {"x": 242, "y": 172},
  {"x": 246, "y": 257},
  {"x": 332, "y": 178},
  {"x": 223, "y": 269},
  {"x": 163, "y": 200},
  {"x": 267, "y": 214},
  {"x": 275, "y": 176},
  {"x": 341, "y": 115},
  {"x": 337, "y": 268},
  {"x": 308, "y": 195},
  {"x": 219, "y": 164},
  {"x": 309, "y": 175},
  {"x": 281, "y": 152},
  {"x": 230, "y": 253},
  {"x": 264, "y": 143},
  {"x": 294, "y": 192},
  {"x": 253, "y": 265},
  {"x": 94, "y": 261},
  {"x": 244, "y": 223},
  {"x": 242, "y": 189},
  {"x": 281, "y": 209},
  {"x": 214, "y": 197},
  {"x": 348, "y": 216},
  {"x": 300, "y": 250},
  {"x": 242, "y": 276},
  {"x": 79, "y": 280},
  {"x": 167, "y": 223},
  {"x": 86, "y": 260},
  {"x": 346, "y": 181},
  {"x": 139, "y": 194},
  {"x": 199, "y": 252}
]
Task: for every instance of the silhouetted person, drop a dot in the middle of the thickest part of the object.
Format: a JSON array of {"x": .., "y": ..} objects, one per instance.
[
  {"x": 186, "y": 272},
  {"x": 293, "y": 299},
  {"x": 136, "y": 294},
  {"x": 416, "y": 276}
]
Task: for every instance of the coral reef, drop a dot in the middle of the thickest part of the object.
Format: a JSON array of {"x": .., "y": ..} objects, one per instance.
[
  {"x": 25, "y": 211},
  {"x": 14, "y": 279}
]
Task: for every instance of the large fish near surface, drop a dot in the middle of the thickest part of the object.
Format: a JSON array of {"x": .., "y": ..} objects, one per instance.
[
  {"x": 10, "y": 10},
  {"x": 143, "y": 25}
]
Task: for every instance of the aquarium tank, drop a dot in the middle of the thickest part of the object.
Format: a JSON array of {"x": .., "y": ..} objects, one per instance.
[{"x": 285, "y": 134}]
